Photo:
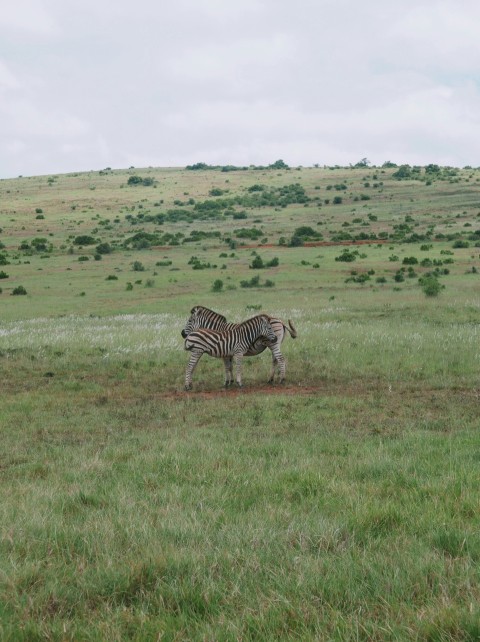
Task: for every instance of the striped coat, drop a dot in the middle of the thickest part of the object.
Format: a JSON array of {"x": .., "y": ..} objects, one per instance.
[
  {"x": 230, "y": 344},
  {"x": 201, "y": 317}
]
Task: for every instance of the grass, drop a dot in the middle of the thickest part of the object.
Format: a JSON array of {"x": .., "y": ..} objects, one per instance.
[{"x": 341, "y": 506}]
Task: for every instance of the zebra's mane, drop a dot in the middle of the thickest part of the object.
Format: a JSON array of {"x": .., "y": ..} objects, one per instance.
[{"x": 201, "y": 308}]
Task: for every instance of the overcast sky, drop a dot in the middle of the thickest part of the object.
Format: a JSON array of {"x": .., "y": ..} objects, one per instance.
[{"x": 90, "y": 84}]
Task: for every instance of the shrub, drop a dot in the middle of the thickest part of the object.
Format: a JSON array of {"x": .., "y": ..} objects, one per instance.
[
  {"x": 138, "y": 180},
  {"x": 254, "y": 282},
  {"x": 19, "y": 290},
  {"x": 257, "y": 263},
  {"x": 84, "y": 239},
  {"x": 430, "y": 285},
  {"x": 3, "y": 275},
  {"x": 137, "y": 266},
  {"x": 217, "y": 285},
  {"x": 111, "y": 277},
  {"x": 83, "y": 258},
  {"x": 296, "y": 241},
  {"x": 39, "y": 244},
  {"x": 337, "y": 200},
  {"x": 410, "y": 260},
  {"x": 104, "y": 248},
  {"x": 347, "y": 256}
]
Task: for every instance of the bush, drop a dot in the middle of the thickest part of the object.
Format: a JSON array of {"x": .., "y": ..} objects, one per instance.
[
  {"x": 296, "y": 241},
  {"x": 111, "y": 277},
  {"x": 104, "y": 248},
  {"x": 217, "y": 285},
  {"x": 84, "y": 239},
  {"x": 83, "y": 258},
  {"x": 410, "y": 260},
  {"x": 257, "y": 263},
  {"x": 337, "y": 200},
  {"x": 3, "y": 275},
  {"x": 254, "y": 282},
  {"x": 19, "y": 290},
  {"x": 347, "y": 256},
  {"x": 137, "y": 266},
  {"x": 138, "y": 180},
  {"x": 430, "y": 285}
]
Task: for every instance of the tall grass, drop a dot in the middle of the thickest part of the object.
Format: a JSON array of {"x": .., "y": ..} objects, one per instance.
[
  {"x": 283, "y": 518},
  {"x": 343, "y": 348}
]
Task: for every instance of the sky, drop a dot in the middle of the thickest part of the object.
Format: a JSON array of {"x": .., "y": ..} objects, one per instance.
[{"x": 90, "y": 84}]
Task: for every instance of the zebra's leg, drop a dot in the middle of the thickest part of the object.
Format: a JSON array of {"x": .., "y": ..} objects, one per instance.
[
  {"x": 192, "y": 364},
  {"x": 228, "y": 362},
  {"x": 238, "y": 367},
  {"x": 272, "y": 373},
  {"x": 277, "y": 360}
]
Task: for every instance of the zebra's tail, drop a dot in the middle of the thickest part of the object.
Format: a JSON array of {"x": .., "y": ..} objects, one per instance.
[{"x": 291, "y": 329}]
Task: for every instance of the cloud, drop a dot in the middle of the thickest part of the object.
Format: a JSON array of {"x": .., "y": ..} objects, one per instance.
[
  {"x": 27, "y": 16},
  {"x": 8, "y": 80},
  {"x": 174, "y": 83}
]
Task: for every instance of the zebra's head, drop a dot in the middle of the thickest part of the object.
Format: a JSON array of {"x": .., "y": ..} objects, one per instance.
[
  {"x": 201, "y": 317},
  {"x": 268, "y": 335},
  {"x": 193, "y": 322}
]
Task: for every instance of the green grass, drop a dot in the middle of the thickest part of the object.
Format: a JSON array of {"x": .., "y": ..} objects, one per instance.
[{"x": 341, "y": 506}]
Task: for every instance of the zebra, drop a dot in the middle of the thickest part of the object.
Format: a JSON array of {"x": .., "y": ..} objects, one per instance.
[
  {"x": 231, "y": 344},
  {"x": 201, "y": 317}
]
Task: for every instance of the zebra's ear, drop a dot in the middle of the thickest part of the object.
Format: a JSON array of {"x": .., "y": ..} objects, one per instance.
[{"x": 193, "y": 310}]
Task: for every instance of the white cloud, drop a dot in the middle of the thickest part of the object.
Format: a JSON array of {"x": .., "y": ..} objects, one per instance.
[
  {"x": 111, "y": 83},
  {"x": 29, "y": 16},
  {"x": 8, "y": 80}
]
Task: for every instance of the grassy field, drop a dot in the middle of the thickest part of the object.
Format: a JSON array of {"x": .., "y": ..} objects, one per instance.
[{"x": 343, "y": 505}]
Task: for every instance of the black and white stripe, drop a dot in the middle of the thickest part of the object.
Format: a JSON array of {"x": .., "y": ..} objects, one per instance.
[
  {"x": 201, "y": 317},
  {"x": 229, "y": 345}
]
